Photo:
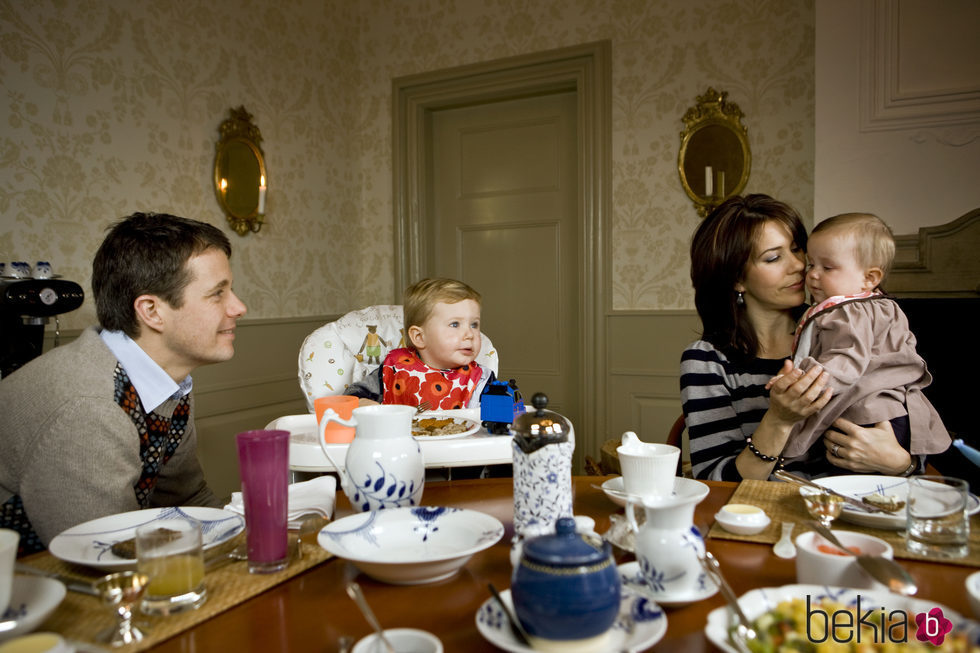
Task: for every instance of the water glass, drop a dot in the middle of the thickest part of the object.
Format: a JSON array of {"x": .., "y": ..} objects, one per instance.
[
  {"x": 169, "y": 552},
  {"x": 263, "y": 460},
  {"x": 937, "y": 523},
  {"x": 9, "y": 540}
]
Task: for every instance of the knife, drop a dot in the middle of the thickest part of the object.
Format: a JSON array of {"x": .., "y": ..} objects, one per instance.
[
  {"x": 783, "y": 475},
  {"x": 72, "y": 584}
]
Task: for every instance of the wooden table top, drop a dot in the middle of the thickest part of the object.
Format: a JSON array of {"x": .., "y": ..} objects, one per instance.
[{"x": 311, "y": 611}]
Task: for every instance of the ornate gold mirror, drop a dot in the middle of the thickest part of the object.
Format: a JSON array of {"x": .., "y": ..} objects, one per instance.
[
  {"x": 239, "y": 173},
  {"x": 714, "y": 160}
]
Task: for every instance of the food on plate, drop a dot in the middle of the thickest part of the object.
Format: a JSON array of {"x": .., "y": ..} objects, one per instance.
[
  {"x": 127, "y": 548},
  {"x": 429, "y": 426},
  {"x": 802, "y": 625},
  {"x": 888, "y": 502}
]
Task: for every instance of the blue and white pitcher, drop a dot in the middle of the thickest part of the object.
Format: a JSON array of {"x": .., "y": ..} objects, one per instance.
[
  {"x": 384, "y": 467},
  {"x": 668, "y": 544}
]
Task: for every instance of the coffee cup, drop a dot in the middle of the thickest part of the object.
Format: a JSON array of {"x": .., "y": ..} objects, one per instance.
[{"x": 649, "y": 468}]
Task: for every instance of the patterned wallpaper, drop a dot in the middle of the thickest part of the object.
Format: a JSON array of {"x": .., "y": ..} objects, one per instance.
[{"x": 112, "y": 106}]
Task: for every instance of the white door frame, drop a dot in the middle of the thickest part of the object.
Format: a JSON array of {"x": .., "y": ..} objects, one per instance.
[{"x": 585, "y": 69}]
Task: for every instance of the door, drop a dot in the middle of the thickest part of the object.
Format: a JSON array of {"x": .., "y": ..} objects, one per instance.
[{"x": 505, "y": 220}]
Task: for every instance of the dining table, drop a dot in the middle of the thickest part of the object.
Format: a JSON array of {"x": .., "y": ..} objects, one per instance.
[{"x": 312, "y": 611}]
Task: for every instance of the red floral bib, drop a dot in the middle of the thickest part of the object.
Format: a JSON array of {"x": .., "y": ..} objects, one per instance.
[{"x": 409, "y": 381}]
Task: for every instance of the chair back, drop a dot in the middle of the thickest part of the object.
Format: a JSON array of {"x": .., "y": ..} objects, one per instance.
[
  {"x": 348, "y": 349},
  {"x": 676, "y": 438}
]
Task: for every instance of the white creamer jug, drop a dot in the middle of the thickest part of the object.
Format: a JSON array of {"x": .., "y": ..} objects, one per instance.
[
  {"x": 668, "y": 544},
  {"x": 384, "y": 467}
]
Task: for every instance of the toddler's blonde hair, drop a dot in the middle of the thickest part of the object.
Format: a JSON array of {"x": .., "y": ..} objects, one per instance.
[
  {"x": 422, "y": 296},
  {"x": 874, "y": 243}
]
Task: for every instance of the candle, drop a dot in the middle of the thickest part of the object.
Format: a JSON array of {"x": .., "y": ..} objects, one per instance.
[
  {"x": 708, "y": 181},
  {"x": 721, "y": 183},
  {"x": 224, "y": 186},
  {"x": 262, "y": 195}
]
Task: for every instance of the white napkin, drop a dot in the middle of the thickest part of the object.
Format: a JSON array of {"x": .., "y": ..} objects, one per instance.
[{"x": 313, "y": 496}]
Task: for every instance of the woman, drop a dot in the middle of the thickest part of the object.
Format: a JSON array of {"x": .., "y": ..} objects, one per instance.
[{"x": 747, "y": 266}]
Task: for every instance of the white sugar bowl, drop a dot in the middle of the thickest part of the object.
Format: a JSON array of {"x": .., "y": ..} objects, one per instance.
[{"x": 742, "y": 518}]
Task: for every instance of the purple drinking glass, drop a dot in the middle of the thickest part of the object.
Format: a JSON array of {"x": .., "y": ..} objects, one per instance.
[{"x": 263, "y": 459}]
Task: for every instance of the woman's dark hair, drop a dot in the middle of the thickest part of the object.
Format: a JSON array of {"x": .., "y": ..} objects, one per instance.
[
  {"x": 146, "y": 254},
  {"x": 721, "y": 247}
]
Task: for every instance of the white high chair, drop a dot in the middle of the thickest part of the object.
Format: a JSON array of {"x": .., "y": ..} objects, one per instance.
[{"x": 345, "y": 351}]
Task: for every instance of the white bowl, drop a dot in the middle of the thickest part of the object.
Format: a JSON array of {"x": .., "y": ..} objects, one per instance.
[
  {"x": 816, "y": 567},
  {"x": 37, "y": 643},
  {"x": 402, "y": 639},
  {"x": 409, "y": 546},
  {"x": 973, "y": 592},
  {"x": 742, "y": 518}
]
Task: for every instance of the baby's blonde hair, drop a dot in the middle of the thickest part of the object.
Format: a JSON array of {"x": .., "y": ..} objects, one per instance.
[
  {"x": 422, "y": 296},
  {"x": 874, "y": 243}
]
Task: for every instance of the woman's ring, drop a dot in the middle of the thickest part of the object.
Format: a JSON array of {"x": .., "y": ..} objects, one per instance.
[{"x": 835, "y": 450}]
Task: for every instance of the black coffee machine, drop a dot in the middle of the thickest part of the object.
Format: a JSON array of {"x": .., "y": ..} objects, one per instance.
[{"x": 25, "y": 306}]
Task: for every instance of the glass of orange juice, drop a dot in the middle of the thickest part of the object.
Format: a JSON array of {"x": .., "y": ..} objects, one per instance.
[{"x": 169, "y": 552}]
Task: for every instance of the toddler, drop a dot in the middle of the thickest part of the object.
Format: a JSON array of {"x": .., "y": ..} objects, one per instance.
[
  {"x": 862, "y": 339},
  {"x": 442, "y": 324}
]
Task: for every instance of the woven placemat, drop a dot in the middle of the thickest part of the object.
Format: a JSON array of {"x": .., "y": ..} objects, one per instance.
[
  {"x": 782, "y": 502},
  {"x": 82, "y": 617}
]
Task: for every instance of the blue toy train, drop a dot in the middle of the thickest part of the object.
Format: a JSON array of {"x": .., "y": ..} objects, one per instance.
[{"x": 500, "y": 404}]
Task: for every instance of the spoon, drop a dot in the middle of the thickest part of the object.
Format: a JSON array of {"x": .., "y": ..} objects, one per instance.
[
  {"x": 785, "y": 548},
  {"x": 515, "y": 625},
  {"x": 884, "y": 570},
  {"x": 354, "y": 591},
  {"x": 619, "y": 493}
]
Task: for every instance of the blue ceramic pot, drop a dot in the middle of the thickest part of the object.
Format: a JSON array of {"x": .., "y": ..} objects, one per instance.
[{"x": 564, "y": 587}]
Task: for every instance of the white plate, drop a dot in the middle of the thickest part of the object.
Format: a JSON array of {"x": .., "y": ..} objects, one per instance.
[
  {"x": 613, "y": 485},
  {"x": 472, "y": 426},
  {"x": 32, "y": 599},
  {"x": 758, "y": 601},
  {"x": 859, "y": 485},
  {"x": 89, "y": 543},
  {"x": 641, "y": 623},
  {"x": 410, "y": 546},
  {"x": 633, "y": 578}
]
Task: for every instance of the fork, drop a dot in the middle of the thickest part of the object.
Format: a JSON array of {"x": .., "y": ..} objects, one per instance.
[
  {"x": 424, "y": 406},
  {"x": 743, "y": 631}
]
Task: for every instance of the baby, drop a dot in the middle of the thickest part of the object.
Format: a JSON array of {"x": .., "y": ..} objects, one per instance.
[
  {"x": 442, "y": 322},
  {"x": 862, "y": 338}
]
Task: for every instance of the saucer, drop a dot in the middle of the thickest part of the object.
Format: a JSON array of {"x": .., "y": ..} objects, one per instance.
[
  {"x": 640, "y": 624},
  {"x": 32, "y": 599},
  {"x": 633, "y": 579},
  {"x": 613, "y": 488}
]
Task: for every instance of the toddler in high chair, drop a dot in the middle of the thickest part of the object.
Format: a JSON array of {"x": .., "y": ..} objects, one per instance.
[
  {"x": 862, "y": 339},
  {"x": 438, "y": 367}
]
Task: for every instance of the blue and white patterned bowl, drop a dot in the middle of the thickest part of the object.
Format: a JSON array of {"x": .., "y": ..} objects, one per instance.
[{"x": 412, "y": 545}]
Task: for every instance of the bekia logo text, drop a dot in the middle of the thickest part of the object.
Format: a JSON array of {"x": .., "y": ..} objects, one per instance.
[{"x": 845, "y": 626}]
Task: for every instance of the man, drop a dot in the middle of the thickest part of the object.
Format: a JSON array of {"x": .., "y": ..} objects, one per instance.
[{"x": 106, "y": 424}]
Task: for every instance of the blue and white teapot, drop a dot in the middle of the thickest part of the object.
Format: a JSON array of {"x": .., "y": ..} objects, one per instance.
[{"x": 566, "y": 588}]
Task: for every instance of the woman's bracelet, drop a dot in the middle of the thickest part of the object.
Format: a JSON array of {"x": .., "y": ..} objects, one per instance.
[{"x": 762, "y": 456}]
